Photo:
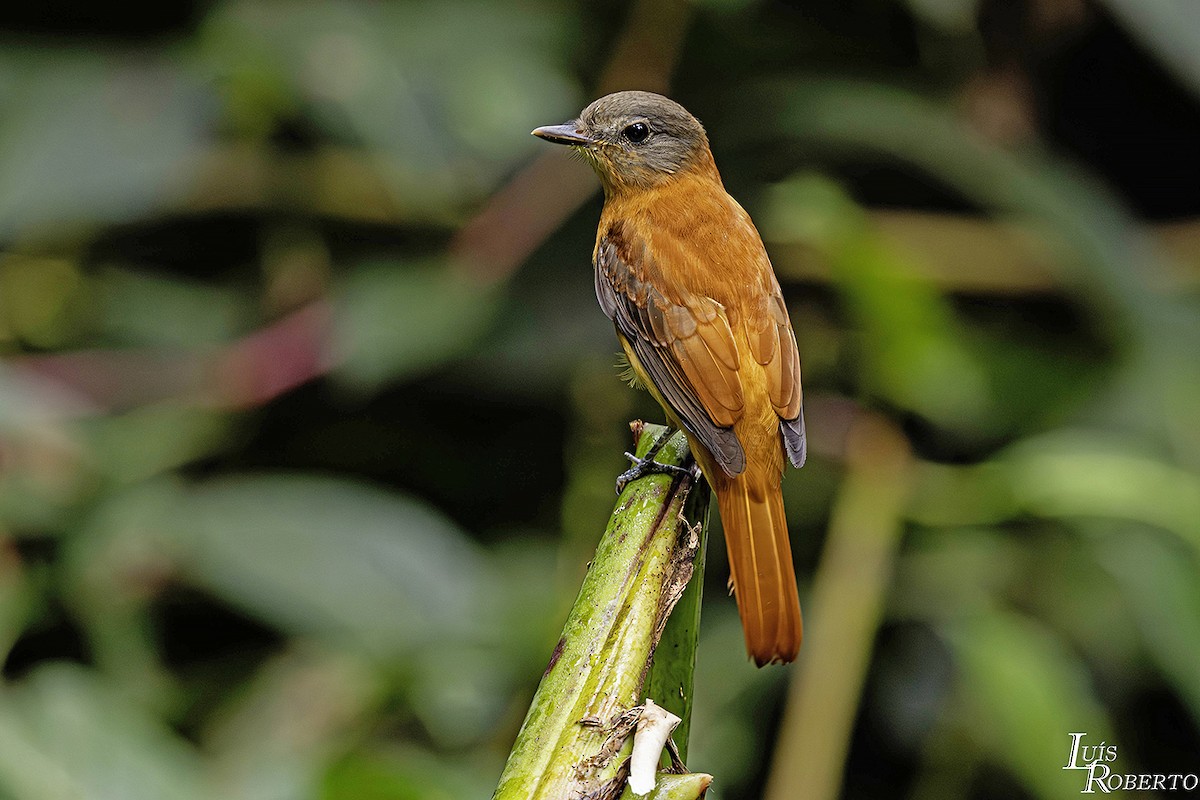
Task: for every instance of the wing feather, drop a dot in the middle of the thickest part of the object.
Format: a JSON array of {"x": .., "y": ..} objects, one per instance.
[
  {"x": 773, "y": 345},
  {"x": 683, "y": 343}
]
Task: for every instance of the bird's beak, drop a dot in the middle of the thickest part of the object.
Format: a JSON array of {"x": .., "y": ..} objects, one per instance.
[{"x": 567, "y": 133}]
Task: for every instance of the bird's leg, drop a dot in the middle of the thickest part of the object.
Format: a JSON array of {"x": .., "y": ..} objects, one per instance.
[{"x": 648, "y": 466}]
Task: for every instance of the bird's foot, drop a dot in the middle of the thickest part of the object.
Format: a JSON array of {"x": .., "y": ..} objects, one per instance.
[{"x": 648, "y": 466}]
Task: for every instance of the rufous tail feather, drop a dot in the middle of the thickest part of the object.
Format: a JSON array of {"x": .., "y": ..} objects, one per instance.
[{"x": 760, "y": 562}]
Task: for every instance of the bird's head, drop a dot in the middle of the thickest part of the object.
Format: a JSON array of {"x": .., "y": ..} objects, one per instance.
[{"x": 635, "y": 139}]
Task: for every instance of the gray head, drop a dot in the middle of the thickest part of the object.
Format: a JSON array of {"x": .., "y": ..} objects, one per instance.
[{"x": 635, "y": 139}]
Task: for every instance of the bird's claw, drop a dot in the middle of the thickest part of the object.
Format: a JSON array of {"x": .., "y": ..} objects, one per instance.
[{"x": 648, "y": 466}]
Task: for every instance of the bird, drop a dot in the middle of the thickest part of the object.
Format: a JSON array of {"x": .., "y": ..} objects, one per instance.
[{"x": 682, "y": 272}]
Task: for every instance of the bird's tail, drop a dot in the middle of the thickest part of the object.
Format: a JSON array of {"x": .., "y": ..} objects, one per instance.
[{"x": 760, "y": 562}]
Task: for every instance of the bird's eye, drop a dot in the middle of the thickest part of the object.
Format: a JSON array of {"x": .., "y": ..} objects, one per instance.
[{"x": 637, "y": 132}]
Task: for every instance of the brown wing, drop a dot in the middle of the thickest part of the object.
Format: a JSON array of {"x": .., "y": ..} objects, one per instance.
[
  {"x": 773, "y": 345},
  {"x": 684, "y": 344}
]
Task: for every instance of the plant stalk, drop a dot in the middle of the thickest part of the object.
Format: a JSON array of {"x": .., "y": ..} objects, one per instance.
[{"x": 573, "y": 743}]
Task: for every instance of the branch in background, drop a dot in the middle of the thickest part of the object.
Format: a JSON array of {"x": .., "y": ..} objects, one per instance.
[
  {"x": 543, "y": 195},
  {"x": 954, "y": 252},
  {"x": 981, "y": 255},
  {"x": 848, "y": 593},
  {"x": 248, "y": 372}
]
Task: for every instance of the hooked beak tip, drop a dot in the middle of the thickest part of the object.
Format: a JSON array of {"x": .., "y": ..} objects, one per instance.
[{"x": 567, "y": 133}]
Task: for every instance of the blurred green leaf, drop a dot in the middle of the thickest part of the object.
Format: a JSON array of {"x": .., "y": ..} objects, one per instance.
[
  {"x": 1080, "y": 473},
  {"x": 1169, "y": 29},
  {"x": 94, "y": 137},
  {"x": 275, "y": 740},
  {"x": 1162, "y": 587},
  {"x": 150, "y": 440},
  {"x": 16, "y": 597},
  {"x": 37, "y": 298},
  {"x": 952, "y": 16},
  {"x": 369, "y": 568},
  {"x": 407, "y": 773},
  {"x": 1061, "y": 578},
  {"x": 949, "y": 495},
  {"x": 911, "y": 344},
  {"x": 1023, "y": 692},
  {"x": 65, "y": 734},
  {"x": 457, "y": 692},
  {"x": 42, "y": 463},
  {"x": 397, "y": 320},
  {"x": 143, "y": 308},
  {"x": 113, "y": 565},
  {"x": 441, "y": 121},
  {"x": 29, "y": 404},
  {"x": 731, "y": 697},
  {"x": 949, "y": 572}
]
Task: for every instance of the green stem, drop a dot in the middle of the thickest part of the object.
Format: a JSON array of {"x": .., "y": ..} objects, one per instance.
[
  {"x": 670, "y": 680},
  {"x": 674, "y": 787},
  {"x": 848, "y": 596},
  {"x": 601, "y": 662}
]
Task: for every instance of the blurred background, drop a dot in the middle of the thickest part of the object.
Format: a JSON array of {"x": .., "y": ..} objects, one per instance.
[{"x": 309, "y": 420}]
